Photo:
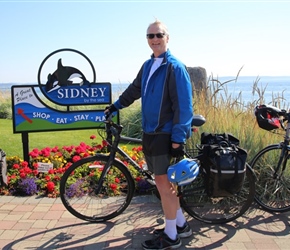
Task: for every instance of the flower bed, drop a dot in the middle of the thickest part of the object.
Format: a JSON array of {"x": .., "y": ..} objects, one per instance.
[{"x": 26, "y": 178}]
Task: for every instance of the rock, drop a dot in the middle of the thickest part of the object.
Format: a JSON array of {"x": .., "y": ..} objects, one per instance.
[{"x": 198, "y": 77}]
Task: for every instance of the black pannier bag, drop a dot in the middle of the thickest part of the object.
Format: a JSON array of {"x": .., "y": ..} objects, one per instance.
[{"x": 223, "y": 163}]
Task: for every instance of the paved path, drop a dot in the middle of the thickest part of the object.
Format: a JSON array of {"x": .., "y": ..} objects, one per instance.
[{"x": 44, "y": 223}]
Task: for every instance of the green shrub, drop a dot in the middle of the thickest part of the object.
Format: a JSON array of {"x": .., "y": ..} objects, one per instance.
[{"x": 5, "y": 106}]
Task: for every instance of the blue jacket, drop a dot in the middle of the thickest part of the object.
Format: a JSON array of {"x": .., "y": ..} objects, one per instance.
[{"x": 167, "y": 103}]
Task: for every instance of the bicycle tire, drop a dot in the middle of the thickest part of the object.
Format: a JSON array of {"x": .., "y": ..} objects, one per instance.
[
  {"x": 217, "y": 210},
  {"x": 272, "y": 193},
  {"x": 79, "y": 182}
]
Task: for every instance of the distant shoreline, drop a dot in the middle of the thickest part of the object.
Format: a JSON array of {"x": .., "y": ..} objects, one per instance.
[
  {"x": 273, "y": 88},
  {"x": 126, "y": 83}
]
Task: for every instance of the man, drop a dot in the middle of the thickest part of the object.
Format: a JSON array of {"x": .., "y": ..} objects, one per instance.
[{"x": 164, "y": 86}]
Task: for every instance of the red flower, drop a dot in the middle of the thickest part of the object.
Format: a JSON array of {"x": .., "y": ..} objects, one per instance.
[
  {"x": 55, "y": 149},
  {"x": 15, "y": 166},
  {"x": 105, "y": 143},
  {"x": 57, "y": 178},
  {"x": 60, "y": 170},
  {"x": 45, "y": 153},
  {"x": 24, "y": 164},
  {"x": 117, "y": 180},
  {"x": 80, "y": 150},
  {"x": 137, "y": 149},
  {"x": 33, "y": 155},
  {"x": 47, "y": 178},
  {"x": 68, "y": 165},
  {"x": 68, "y": 149},
  {"x": 113, "y": 186},
  {"x": 50, "y": 186},
  {"x": 86, "y": 154},
  {"x": 92, "y": 137},
  {"x": 76, "y": 158},
  {"x": 51, "y": 171},
  {"x": 27, "y": 170},
  {"x": 138, "y": 179},
  {"x": 22, "y": 175},
  {"x": 98, "y": 147}
]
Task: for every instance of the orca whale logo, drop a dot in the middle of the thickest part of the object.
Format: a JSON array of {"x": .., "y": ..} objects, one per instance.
[{"x": 62, "y": 77}]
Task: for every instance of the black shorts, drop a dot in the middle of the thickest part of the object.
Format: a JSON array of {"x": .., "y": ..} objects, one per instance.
[{"x": 156, "y": 148}]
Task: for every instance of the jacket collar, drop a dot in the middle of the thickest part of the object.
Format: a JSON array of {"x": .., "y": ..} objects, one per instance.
[{"x": 163, "y": 55}]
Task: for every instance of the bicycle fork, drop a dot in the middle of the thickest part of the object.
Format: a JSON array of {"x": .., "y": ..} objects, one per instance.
[
  {"x": 284, "y": 157},
  {"x": 105, "y": 171}
]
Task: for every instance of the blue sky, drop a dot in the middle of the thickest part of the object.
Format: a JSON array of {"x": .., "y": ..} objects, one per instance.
[{"x": 221, "y": 36}]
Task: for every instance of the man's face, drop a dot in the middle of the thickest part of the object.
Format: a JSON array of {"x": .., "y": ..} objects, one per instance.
[{"x": 159, "y": 42}]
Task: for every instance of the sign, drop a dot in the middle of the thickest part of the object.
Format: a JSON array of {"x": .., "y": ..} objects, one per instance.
[
  {"x": 44, "y": 167},
  {"x": 31, "y": 114},
  {"x": 66, "y": 86}
]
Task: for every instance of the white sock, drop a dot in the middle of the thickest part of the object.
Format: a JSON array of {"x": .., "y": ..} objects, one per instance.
[
  {"x": 180, "y": 219},
  {"x": 170, "y": 229}
]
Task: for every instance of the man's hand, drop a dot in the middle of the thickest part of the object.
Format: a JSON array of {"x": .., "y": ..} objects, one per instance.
[
  {"x": 177, "y": 150},
  {"x": 110, "y": 109}
]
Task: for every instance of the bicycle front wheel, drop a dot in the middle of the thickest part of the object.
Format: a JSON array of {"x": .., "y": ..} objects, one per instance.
[
  {"x": 79, "y": 185},
  {"x": 272, "y": 188},
  {"x": 217, "y": 210}
]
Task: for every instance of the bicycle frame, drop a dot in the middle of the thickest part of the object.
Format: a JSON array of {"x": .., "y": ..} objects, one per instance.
[{"x": 114, "y": 130}]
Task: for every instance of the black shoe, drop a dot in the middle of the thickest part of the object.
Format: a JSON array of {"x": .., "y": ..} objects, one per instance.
[
  {"x": 162, "y": 242},
  {"x": 183, "y": 232}
]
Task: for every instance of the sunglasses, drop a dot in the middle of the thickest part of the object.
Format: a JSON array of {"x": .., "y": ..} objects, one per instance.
[{"x": 158, "y": 35}]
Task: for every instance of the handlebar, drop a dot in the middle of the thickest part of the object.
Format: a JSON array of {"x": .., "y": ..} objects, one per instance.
[{"x": 114, "y": 129}]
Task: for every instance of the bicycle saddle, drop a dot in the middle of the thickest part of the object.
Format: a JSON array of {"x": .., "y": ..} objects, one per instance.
[{"x": 197, "y": 121}]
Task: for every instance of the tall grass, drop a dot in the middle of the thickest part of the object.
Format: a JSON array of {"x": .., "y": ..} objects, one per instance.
[{"x": 223, "y": 113}]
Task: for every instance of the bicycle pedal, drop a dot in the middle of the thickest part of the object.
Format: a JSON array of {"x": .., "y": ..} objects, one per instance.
[{"x": 152, "y": 182}]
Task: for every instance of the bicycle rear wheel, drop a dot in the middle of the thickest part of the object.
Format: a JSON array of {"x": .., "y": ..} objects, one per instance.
[
  {"x": 217, "y": 210},
  {"x": 78, "y": 189},
  {"x": 272, "y": 190}
]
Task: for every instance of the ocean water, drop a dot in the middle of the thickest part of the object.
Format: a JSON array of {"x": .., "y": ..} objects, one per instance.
[
  {"x": 248, "y": 89},
  {"x": 274, "y": 89}
]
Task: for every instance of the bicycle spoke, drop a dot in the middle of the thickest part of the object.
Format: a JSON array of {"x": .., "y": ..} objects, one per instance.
[
  {"x": 79, "y": 185},
  {"x": 272, "y": 189},
  {"x": 214, "y": 210}
]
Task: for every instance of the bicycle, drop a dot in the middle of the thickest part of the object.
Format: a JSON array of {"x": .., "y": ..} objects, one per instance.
[
  {"x": 86, "y": 186},
  {"x": 271, "y": 164}
]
